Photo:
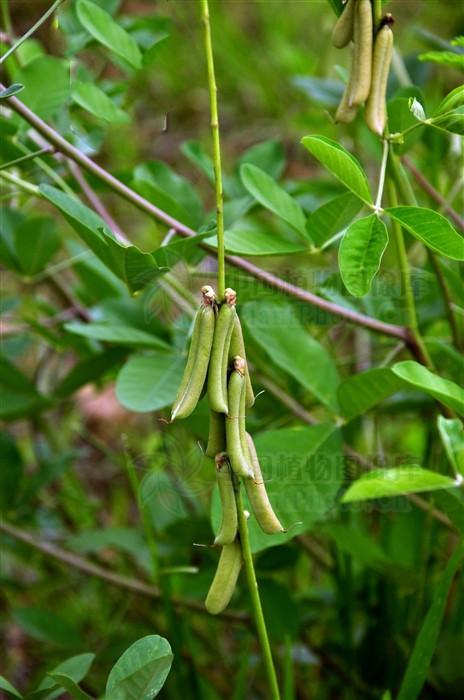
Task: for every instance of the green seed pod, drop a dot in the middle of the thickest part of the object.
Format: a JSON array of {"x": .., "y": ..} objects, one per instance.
[
  {"x": 216, "y": 435},
  {"x": 376, "y": 107},
  {"x": 237, "y": 347},
  {"x": 217, "y": 373},
  {"x": 196, "y": 368},
  {"x": 346, "y": 113},
  {"x": 257, "y": 495},
  {"x": 362, "y": 56},
  {"x": 225, "y": 579},
  {"x": 343, "y": 30},
  {"x": 234, "y": 421},
  {"x": 228, "y": 528}
]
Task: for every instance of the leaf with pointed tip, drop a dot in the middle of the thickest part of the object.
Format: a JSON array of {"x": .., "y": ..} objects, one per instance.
[
  {"x": 399, "y": 481},
  {"x": 9, "y": 689},
  {"x": 360, "y": 253},
  {"x": 422, "y": 378},
  {"x": 341, "y": 164},
  {"x": 430, "y": 227}
]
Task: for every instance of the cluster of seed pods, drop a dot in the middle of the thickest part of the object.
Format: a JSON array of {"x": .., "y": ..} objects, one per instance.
[
  {"x": 217, "y": 361},
  {"x": 370, "y": 65}
]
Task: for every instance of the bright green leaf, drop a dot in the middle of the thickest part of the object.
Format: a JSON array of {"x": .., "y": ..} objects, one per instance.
[
  {"x": 452, "y": 436},
  {"x": 383, "y": 483},
  {"x": 9, "y": 689},
  {"x": 76, "y": 668},
  {"x": 108, "y": 32},
  {"x": 116, "y": 333},
  {"x": 427, "y": 639},
  {"x": 242, "y": 242},
  {"x": 54, "y": 73},
  {"x": 360, "y": 253},
  {"x": 149, "y": 382},
  {"x": 70, "y": 686},
  {"x": 422, "y": 378},
  {"x": 90, "y": 97},
  {"x": 332, "y": 217},
  {"x": 273, "y": 197},
  {"x": 340, "y": 163},
  {"x": 430, "y": 227},
  {"x": 140, "y": 673}
]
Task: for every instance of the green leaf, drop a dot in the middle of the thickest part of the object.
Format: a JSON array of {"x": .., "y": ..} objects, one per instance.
[
  {"x": 242, "y": 242},
  {"x": 9, "y": 689},
  {"x": 273, "y": 197},
  {"x": 452, "y": 436},
  {"x": 427, "y": 639},
  {"x": 76, "y": 668},
  {"x": 11, "y": 473},
  {"x": 268, "y": 156},
  {"x": 290, "y": 346},
  {"x": 445, "y": 58},
  {"x": 140, "y": 673},
  {"x": 89, "y": 370},
  {"x": 382, "y": 483},
  {"x": 422, "y": 378},
  {"x": 106, "y": 31},
  {"x": 36, "y": 241},
  {"x": 341, "y": 164},
  {"x": 11, "y": 90},
  {"x": 70, "y": 686},
  {"x": 332, "y": 217},
  {"x": 149, "y": 382},
  {"x": 453, "y": 100},
  {"x": 47, "y": 626},
  {"x": 194, "y": 151},
  {"x": 451, "y": 121},
  {"x": 360, "y": 253},
  {"x": 313, "y": 456},
  {"x": 128, "y": 263},
  {"x": 117, "y": 333},
  {"x": 362, "y": 391},
  {"x": 430, "y": 227},
  {"x": 54, "y": 73},
  {"x": 19, "y": 396},
  {"x": 91, "y": 98}
]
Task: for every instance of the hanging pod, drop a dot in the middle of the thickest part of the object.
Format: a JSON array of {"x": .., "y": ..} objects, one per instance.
[
  {"x": 343, "y": 30},
  {"x": 217, "y": 373},
  {"x": 225, "y": 579},
  {"x": 257, "y": 495},
  {"x": 228, "y": 529},
  {"x": 346, "y": 113},
  {"x": 196, "y": 368},
  {"x": 376, "y": 107},
  {"x": 235, "y": 421},
  {"x": 237, "y": 347},
  {"x": 362, "y": 52},
  {"x": 216, "y": 435}
]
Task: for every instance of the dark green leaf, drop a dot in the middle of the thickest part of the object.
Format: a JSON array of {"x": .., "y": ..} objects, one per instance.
[
  {"x": 332, "y": 217},
  {"x": 426, "y": 642},
  {"x": 19, "y": 396},
  {"x": 360, "y": 392},
  {"x": 47, "y": 626},
  {"x": 242, "y": 242},
  {"x": 89, "y": 370},
  {"x": 116, "y": 333},
  {"x": 452, "y": 436},
  {"x": 360, "y": 253},
  {"x": 340, "y": 163},
  {"x": 70, "y": 686},
  {"x": 11, "y": 472},
  {"x": 9, "y": 689},
  {"x": 76, "y": 668},
  {"x": 36, "y": 242},
  {"x": 52, "y": 72},
  {"x": 290, "y": 346},
  {"x": 140, "y": 673}
]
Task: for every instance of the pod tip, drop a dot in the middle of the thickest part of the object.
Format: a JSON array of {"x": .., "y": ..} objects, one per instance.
[
  {"x": 239, "y": 364},
  {"x": 230, "y": 296},
  {"x": 208, "y": 293}
]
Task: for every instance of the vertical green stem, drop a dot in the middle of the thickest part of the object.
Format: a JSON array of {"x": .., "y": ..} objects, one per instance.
[
  {"x": 6, "y": 19},
  {"x": 377, "y": 7},
  {"x": 411, "y": 315},
  {"x": 216, "y": 148},
  {"x": 254, "y": 595}
]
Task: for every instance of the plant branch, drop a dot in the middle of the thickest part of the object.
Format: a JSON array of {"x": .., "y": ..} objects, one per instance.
[
  {"x": 254, "y": 594},
  {"x": 212, "y": 87},
  {"x": 23, "y": 185},
  {"x": 31, "y": 31},
  {"x": 144, "y": 205},
  {"x": 82, "y": 564},
  {"x": 433, "y": 193},
  {"x": 43, "y": 151}
]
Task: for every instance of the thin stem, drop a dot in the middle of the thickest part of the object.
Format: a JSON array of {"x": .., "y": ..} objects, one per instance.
[
  {"x": 88, "y": 567},
  {"x": 254, "y": 595},
  {"x": 6, "y": 19},
  {"x": 144, "y": 205},
  {"x": 377, "y": 7},
  {"x": 383, "y": 170},
  {"x": 31, "y": 31},
  {"x": 447, "y": 298},
  {"x": 28, "y": 156},
  {"x": 19, "y": 182},
  {"x": 212, "y": 87}
]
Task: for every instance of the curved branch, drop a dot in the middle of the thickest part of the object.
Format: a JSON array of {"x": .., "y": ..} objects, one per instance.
[{"x": 67, "y": 149}]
